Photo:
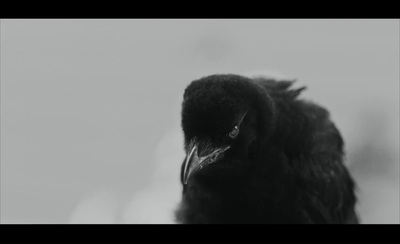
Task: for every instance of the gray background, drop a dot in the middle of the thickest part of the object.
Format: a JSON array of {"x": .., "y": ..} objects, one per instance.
[{"x": 90, "y": 108}]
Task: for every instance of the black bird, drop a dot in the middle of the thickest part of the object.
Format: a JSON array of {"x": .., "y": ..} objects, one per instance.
[{"x": 258, "y": 154}]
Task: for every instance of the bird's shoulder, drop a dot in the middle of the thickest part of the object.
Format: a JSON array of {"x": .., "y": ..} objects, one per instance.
[
  {"x": 302, "y": 125},
  {"x": 314, "y": 149},
  {"x": 325, "y": 187}
]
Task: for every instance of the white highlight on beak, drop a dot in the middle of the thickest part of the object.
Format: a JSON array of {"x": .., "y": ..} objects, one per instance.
[{"x": 188, "y": 158}]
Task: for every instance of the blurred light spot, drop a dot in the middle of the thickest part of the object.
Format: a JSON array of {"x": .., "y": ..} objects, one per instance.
[
  {"x": 157, "y": 202},
  {"x": 99, "y": 208},
  {"x": 378, "y": 201}
]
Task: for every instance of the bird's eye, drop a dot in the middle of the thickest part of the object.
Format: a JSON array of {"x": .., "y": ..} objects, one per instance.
[{"x": 234, "y": 132}]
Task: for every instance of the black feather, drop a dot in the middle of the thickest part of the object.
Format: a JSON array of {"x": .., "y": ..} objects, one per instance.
[{"x": 286, "y": 166}]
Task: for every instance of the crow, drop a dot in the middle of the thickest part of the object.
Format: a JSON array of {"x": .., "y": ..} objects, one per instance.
[{"x": 256, "y": 153}]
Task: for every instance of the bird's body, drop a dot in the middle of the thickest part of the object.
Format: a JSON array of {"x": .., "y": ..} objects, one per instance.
[{"x": 258, "y": 154}]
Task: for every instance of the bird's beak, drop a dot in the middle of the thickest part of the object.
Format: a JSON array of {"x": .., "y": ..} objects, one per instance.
[{"x": 193, "y": 163}]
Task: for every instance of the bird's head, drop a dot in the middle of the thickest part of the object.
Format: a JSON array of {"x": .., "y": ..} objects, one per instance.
[{"x": 224, "y": 118}]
